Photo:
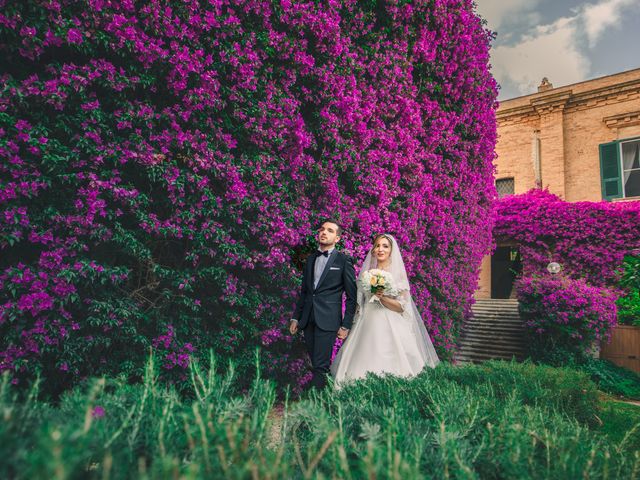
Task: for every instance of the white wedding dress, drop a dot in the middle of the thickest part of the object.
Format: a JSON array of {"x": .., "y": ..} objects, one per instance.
[{"x": 383, "y": 341}]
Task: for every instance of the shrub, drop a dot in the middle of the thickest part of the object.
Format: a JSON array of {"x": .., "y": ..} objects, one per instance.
[
  {"x": 564, "y": 316},
  {"x": 562, "y": 389},
  {"x": 163, "y": 165},
  {"x": 629, "y": 301},
  {"x": 611, "y": 378}
]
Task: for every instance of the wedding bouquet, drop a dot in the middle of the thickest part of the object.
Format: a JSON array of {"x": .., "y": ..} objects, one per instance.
[{"x": 376, "y": 280}]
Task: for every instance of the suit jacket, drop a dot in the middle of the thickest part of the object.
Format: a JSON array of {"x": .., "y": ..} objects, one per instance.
[{"x": 325, "y": 301}]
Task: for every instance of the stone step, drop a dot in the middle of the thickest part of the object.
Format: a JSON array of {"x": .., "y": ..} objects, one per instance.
[
  {"x": 494, "y": 331},
  {"x": 503, "y": 342},
  {"x": 488, "y": 337},
  {"x": 484, "y": 342},
  {"x": 484, "y": 358},
  {"x": 475, "y": 339},
  {"x": 492, "y": 312},
  {"x": 505, "y": 306},
  {"x": 477, "y": 314},
  {"x": 501, "y": 303},
  {"x": 495, "y": 320},
  {"x": 496, "y": 306},
  {"x": 477, "y": 361},
  {"x": 504, "y": 352},
  {"x": 494, "y": 323},
  {"x": 480, "y": 357},
  {"x": 516, "y": 327},
  {"x": 496, "y": 299}
]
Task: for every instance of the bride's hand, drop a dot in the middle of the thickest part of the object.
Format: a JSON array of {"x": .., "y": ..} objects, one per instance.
[{"x": 380, "y": 293}]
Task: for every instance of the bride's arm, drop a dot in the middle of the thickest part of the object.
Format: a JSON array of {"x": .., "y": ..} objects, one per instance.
[{"x": 391, "y": 303}]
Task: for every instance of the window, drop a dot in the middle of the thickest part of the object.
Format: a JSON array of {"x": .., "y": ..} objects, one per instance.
[
  {"x": 505, "y": 186},
  {"x": 631, "y": 168},
  {"x": 620, "y": 169}
]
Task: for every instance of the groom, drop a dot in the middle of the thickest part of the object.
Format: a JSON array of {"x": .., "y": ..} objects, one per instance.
[{"x": 327, "y": 274}]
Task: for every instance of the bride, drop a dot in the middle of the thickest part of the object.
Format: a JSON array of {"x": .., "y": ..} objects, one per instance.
[{"x": 388, "y": 335}]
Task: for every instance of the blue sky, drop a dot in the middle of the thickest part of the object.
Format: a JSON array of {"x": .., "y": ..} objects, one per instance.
[{"x": 567, "y": 41}]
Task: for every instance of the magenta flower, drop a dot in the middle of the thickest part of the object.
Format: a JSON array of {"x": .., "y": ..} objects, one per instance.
[
  {"x": 74, "y": 36},
  {"x": 97, "y": 412}
]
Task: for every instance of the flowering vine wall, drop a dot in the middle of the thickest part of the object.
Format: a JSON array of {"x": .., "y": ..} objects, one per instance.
[
  {"x": 589, "y": 239},
  {"x": 163, "y": 163}
]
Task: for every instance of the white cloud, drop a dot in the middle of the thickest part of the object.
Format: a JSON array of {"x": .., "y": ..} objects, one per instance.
[
  {"x": 601, "y": 16},
  {"x": 550, "y": 51},
  {"x": 498, "y": 12},
  {"x": 525, "y": 52}
]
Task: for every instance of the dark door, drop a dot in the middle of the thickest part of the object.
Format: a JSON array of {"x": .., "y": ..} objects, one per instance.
[{"x": 505, "y": 266}]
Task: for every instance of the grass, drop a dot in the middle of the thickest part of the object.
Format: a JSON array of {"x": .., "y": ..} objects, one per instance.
[
  {"x": 621, "y": 423},
  {"x": 495, "y": 420}
]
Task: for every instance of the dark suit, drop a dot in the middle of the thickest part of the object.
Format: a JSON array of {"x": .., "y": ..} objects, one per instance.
[{"x": 319, "y": 310}]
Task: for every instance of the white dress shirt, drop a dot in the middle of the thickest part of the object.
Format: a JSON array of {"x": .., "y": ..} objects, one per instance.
[{"x": 321, "y": 262}]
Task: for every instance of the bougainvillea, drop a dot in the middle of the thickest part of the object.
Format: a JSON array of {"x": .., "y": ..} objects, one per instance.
[
  {"x": 164, "y": 164},
  {"x": 588, "y": 239},
  {"x": 563, "y": 314}
]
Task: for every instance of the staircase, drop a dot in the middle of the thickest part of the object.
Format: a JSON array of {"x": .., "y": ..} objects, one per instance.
[{"x": 495, "y": 331}]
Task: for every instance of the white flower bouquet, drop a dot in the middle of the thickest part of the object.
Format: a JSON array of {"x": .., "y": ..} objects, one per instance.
[{"x": 376, "y": 280}]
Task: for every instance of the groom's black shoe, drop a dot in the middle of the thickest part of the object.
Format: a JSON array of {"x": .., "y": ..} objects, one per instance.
[{"x": 319, "y": 379}]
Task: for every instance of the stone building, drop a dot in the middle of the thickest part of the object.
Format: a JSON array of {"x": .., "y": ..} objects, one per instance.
[{"x": 580, "y": 141}]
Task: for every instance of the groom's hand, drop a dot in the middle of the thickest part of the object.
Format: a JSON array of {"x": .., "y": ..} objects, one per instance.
[
  {"x": 293, "y": 327},
  {"x": 342, "y": 333}
]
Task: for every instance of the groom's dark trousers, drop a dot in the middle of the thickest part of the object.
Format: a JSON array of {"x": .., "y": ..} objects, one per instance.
[
  {"x": 319, "y": 309},
  {"x": 319, "y": 346}
]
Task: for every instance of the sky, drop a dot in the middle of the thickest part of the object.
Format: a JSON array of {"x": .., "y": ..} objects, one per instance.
[{"x": 567, "y": 41}]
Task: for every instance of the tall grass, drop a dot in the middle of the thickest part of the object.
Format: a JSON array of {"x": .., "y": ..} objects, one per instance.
[
  {"x": 146, "y": 431},
  {"x": 498, "y": 420}
]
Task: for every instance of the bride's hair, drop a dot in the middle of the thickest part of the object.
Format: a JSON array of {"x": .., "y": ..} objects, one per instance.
[{"x": 386, "y": 237}]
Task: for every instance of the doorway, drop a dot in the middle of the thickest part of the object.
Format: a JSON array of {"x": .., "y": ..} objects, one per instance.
[{"x": 506, "y": 265}]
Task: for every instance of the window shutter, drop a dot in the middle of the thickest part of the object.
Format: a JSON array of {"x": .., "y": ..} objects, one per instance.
[{"x": 610, "y": 171}]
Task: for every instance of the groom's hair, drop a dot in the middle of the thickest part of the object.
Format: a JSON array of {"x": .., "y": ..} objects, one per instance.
[{"x": 331, "y": 220}]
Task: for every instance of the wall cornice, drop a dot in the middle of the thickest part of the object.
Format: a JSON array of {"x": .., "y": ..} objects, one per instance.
[
  {"x": 622, "y": 120},
  {"x": 568, "y": 99}
]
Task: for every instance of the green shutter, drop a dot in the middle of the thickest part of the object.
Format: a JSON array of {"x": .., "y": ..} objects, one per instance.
[{"x": 610, "y": 171}]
